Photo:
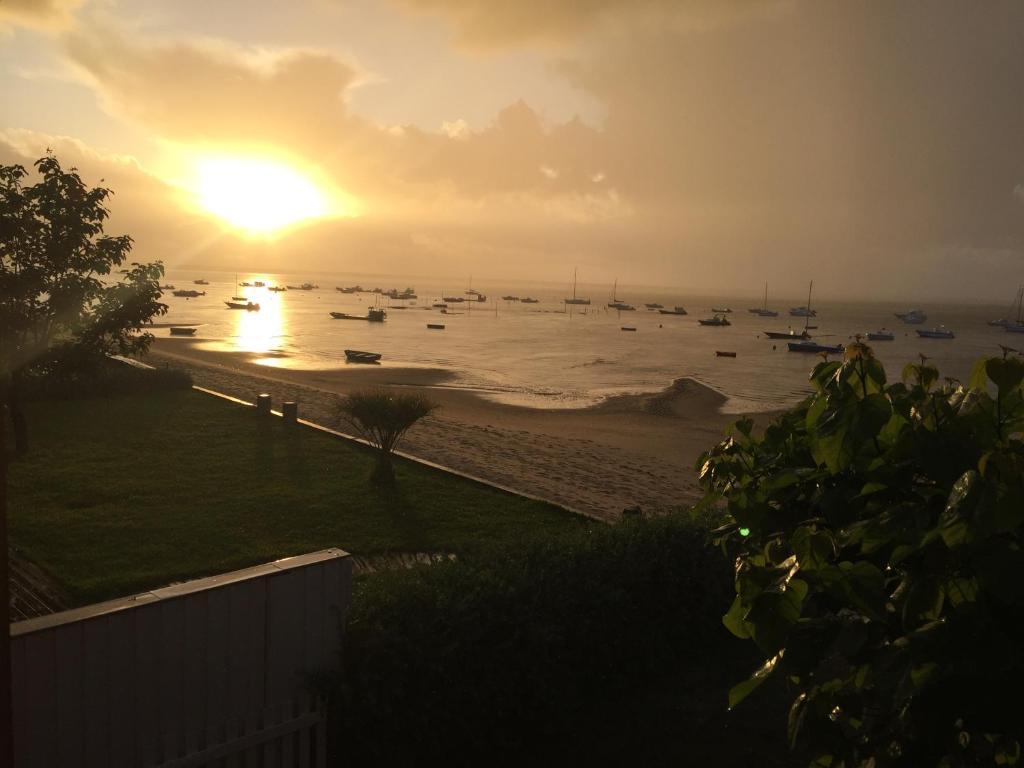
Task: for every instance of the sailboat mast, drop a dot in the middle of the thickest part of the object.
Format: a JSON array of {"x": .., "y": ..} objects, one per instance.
[
  {"x": 574, "y": 282},
  {"x": 765, "y": 307},
  {"x": 807, "y": 314},
  {"x": 1020, "y": 297}
]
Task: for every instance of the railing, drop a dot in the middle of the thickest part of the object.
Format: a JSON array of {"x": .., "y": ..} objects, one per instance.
[{"x": 184, "y": 675}]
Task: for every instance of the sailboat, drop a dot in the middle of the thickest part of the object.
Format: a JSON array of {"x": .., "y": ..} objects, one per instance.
[
  {"x": 617, "y": 303},
  {"x": 763, "y": 310},
  {"x": 805, "y": 344},
  {"x": 574, "y": 299},
  {"x": 1017, "y": 327},
  {"x": 237, "y": 298},
  {"x": 791, "y": 334}
]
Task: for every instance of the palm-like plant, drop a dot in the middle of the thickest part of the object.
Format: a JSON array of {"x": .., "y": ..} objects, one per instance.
[{"x": 382, "y": 419}]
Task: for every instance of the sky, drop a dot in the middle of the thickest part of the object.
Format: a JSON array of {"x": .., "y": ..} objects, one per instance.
[{"x": 876, "y": 147}]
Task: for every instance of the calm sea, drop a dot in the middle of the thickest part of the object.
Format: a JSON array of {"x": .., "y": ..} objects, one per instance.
[{"x": 545, "y": 356}]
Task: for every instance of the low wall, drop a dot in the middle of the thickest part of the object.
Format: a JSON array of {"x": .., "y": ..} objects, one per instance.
[{"x": 116, "y": 683}]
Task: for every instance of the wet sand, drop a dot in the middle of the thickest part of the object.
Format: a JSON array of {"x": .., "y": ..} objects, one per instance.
[{"x": 629, "y": 450}]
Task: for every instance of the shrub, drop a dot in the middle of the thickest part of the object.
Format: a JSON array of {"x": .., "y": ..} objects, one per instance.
[
  {"x": 382, "y": 419},
  {"x": 105, "y": 378},
  {"x": 517, "y": 655},
  {"x": 876, "y": 532}
]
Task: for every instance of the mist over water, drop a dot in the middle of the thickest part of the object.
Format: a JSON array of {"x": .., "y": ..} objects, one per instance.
[{"x": 542, "y": 355}]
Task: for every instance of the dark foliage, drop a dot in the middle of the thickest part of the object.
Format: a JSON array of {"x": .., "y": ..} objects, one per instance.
[
  {"x": 876, "y": 532},
  {"x": 560, "y": 650},
  {"x": 105, "y": 378},
  {"x": 382, "y": 419}
]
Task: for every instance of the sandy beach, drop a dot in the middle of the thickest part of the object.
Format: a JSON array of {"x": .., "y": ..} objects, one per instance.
[{"x": 629, "y": 450}]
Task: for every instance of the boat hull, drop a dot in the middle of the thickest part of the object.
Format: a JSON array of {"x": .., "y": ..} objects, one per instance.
[{"x": 814, "y": 349}]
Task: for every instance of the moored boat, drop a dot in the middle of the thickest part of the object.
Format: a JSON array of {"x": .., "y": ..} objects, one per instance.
[
  {"x": 358, "y": 356},
  {"x": 180, "y": 330},
  {"x": 913, "y": 317},
  {"x": 436, "y": 326},
  {"x": 372, "y": 315},
  {"x": 510, "y": 298},
  {"x": 188, "y": 294},
  {"x": 881, "y": 335},
  {"x": 673, "y": 311},
  {"x": 790, "y": 334},
  {"x": 716, "y": 320},
  {"x": 813, "y": 346},
  {"x": 719, "y": 353},
  {"x": 942, "y": 332},
  {"x": 654, "y": 305},
  {"x": 277, "y": 288},
  {"x": 722, "y": 310},
  {"x": 248, "y": 305},
  {"x": 529, "y": 300},
  {"x": 628, "y": 328},
  {"x": 575, "y": 300},
  {"x": 201, "y": 282}
]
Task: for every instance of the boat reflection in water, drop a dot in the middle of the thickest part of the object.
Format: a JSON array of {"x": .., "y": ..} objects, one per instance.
[{"x": 262, "y": 333}]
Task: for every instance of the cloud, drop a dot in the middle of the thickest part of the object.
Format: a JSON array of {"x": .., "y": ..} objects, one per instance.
[
  {"x": 485, "y": 24},
  {"x": 39, "y": 14}
]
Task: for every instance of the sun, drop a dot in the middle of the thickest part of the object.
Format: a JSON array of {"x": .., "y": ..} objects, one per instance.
[{"x": 257, "y": 196}]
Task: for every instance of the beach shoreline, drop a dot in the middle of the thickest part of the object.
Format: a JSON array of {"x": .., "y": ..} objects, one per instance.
[{"x": 628, "y": 450}]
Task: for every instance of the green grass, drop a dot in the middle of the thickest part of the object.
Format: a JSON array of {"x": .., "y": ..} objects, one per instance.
[{"x": 124, "y": 494}]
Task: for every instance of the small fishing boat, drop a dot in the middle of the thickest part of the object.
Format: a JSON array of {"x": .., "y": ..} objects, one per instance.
[
  {"x": 719, "y": 353},
  {"x": 453, "y": 299},
  {"x": 179, "y": 330},
  {"x": 439, "y": 306},
  {"x": 277, "y": 288},
  {"x": 881, "y": 335},
  {"x": 814, "y": 347},
  {"x": 942, "y": 332},
  {"x": 629, "y": 328},
  {"x": 188, "y": 294},
  {"x": 246, "y": 285},
  {"x": 436, "y": 326},
  {"x": 239, "y": 298},
  {"x": 372, "y": 315},
  {"x": 248, "y": 305},
  {"x": 716, "y": 320},
  {"x": 721, "y": 310},
  {"x": 166, "y": 287},
  {"x": 303, "y": 287},
  {"x": 790, "y": 334},
  {"x": 259, "y": 284},
  {"x": 674, "y": 311},
  {"x": 528, "y": 300},
  {"x": 358, "y": 356},
  {"x": 654, "y": 306},
  {"x": 349, "y": 289},
  {"x": 913, "y": 317},
  {"x": 201, "y": 282},
  {"x": 510, "y": 298}
]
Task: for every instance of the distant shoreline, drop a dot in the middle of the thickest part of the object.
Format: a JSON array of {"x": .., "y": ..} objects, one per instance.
[{"x": 626, "y": 450}]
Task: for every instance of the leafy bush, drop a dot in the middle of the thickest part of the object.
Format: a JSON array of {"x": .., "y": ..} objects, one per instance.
[
  {"x": 876, "y": 532},
  {"x": 105, "y": 378},
  {"x": 556, "y": 648},
  {"x": 382, "y": 419}
]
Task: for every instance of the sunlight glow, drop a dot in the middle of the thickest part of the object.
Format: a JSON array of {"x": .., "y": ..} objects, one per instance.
[
  {"x": 255, "y": 195},
  {"x": 261, "y": 333}
]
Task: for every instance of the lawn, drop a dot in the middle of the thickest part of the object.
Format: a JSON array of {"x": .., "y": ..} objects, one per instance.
[{"x": 124, "y": 494}]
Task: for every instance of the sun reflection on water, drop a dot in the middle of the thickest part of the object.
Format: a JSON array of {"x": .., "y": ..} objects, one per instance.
[{"x": 262, "y": 332}]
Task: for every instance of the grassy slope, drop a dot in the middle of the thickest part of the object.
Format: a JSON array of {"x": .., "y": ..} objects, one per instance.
[{"x": 124, "y": 494}]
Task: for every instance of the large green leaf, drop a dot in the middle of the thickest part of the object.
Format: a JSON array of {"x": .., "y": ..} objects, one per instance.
[
  {"x": 1005, "y": 372},
  {"x": 740, "y": 691}
]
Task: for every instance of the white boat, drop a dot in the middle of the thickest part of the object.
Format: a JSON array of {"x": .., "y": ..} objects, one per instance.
[
  {"x": 576, "y": 300},
  {"x": 942, "y": 332},
  {"x": 913, "y": 317},
  {"x": 802, "y": 312}
]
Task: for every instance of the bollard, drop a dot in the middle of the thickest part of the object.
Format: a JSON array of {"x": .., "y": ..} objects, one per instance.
[
  {"x": 290, "y": 411},
  {"x": 263, "y": 404}
]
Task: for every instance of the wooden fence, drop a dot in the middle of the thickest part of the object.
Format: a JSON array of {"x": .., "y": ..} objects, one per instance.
[{"x": 209, "y": 672}]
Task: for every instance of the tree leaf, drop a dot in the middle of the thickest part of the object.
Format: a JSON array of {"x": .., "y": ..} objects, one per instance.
[{"x": 740, "y": 691}]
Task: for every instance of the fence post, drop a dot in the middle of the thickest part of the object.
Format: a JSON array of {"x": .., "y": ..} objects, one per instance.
[
  {"x": 290, "y": 411},
  {"x": 263, "y": 404}
]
